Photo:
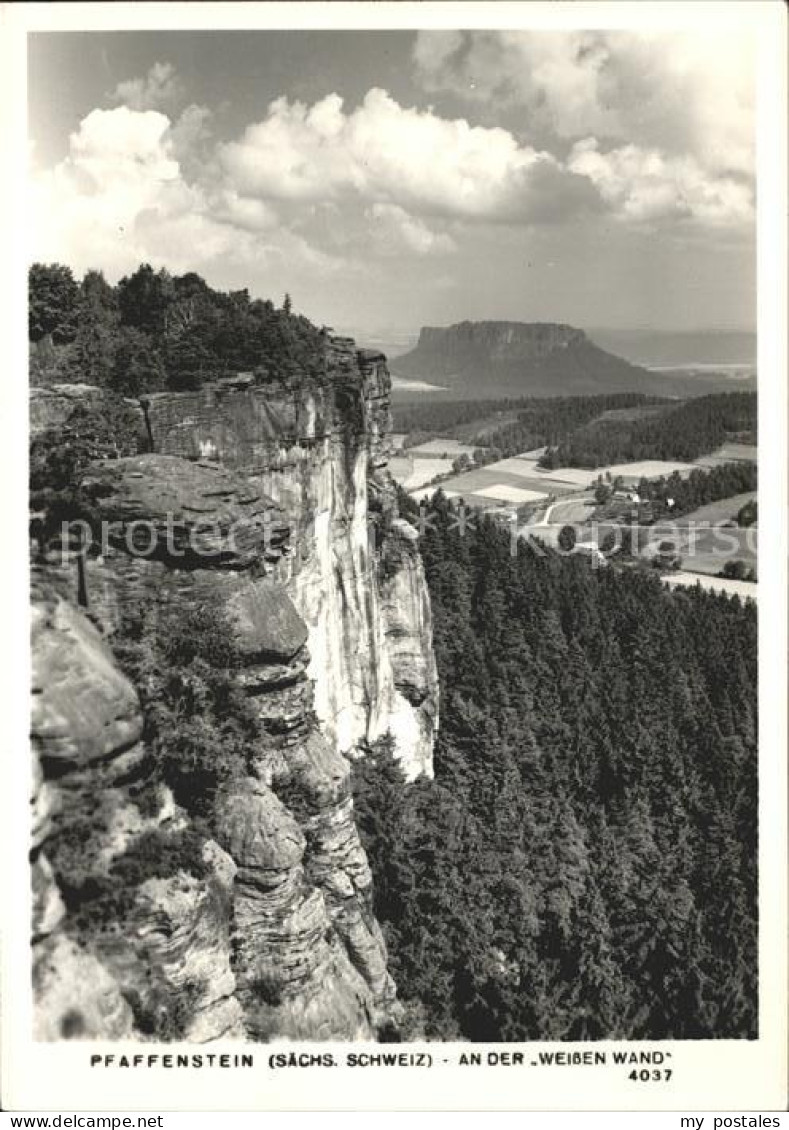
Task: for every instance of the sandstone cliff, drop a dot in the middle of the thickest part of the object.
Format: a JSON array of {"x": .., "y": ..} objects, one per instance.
[{"x": 273, "y": 507}]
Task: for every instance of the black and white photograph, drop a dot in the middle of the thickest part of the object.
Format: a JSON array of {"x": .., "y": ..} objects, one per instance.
[{"x": 393, "y": 435}]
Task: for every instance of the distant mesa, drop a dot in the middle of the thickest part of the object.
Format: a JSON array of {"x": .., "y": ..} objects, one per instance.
[{"x": 480, "y": 359}]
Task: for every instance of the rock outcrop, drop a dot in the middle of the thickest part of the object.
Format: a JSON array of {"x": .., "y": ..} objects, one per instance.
[
  {"x": 482, "y": 359},
  {"x": 116, "y": 976},
  {"x": 320, "y": 449},
  {"x": 273, "y": 508}
]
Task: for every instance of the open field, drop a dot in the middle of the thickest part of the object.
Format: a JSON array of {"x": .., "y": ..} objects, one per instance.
[
  {"x": 518, "y": 465},
  {"x": 515, "y": 480},
  {"x": 721, "y": 511},
  {"x": 705, "y": 549},
  {"x": 646, "y": 469},
  {"x": 515, "y": 495},
  {"x": 631, "y": 473},
  {"x": 412, "y": 473},
  {"x": 400, "y": 467},
  {"x": 442, "y": 448},
  {"x": 485, "y": 478},
  {"x": 577, "y": 478},
  {"x": 575, "y": 509},
  {"x": 638, "y": 412},
  {"x": 729, "y": 453}
]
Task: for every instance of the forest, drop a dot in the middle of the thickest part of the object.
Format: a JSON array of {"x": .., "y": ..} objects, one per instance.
[
  {"x": 675, "y": 495},
  {"x": 157, "y": 331},
  {"x": 583, "y": 865},
  {"x": 528, "y": 422},
  {"x": 588, "y": 431},
  {"x": 692, "y": 428},
  {"x": 701, "y": 487}
]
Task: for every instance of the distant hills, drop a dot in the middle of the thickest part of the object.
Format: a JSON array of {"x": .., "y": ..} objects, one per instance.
[
  {"x": 481, "y": 359},
  {"x": 680, "y": 348}
]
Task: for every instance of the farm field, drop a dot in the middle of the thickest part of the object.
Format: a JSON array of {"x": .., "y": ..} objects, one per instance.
[
  {"x": 573, "y": 509},
  {"x": 637, "y": 412},
  {"x": 400, "y": 467},
  {"x": 721, "y": 511},
  {"x": 517, "y": 479},
  {"x": 487, "y": 478},
  {"x": 412, "y": 473},
  {"x": 519, "y": 465},
  {"x": 442, "y": 448},
  {"x": 577, "y": 478},
  {"x": 631, "y": 473},
  {"x": 647, "y": 469},
  {"x": 707, "y": 550},
  {"x": 729, "y": 453},
  {"x": 517, "y": 496}
]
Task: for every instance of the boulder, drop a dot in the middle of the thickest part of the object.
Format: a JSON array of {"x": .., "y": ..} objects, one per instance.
[
  {"x": 186, "y": 513},
  {"x": 268, "y": 627},
  {"x": 84, "y": 709}
]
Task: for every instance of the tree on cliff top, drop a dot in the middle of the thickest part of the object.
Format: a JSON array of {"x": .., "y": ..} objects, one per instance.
[
  {"x": 187, "y": 333},
  {"x": 143, "y": 298},
  {"x": 53, "y": 296}
]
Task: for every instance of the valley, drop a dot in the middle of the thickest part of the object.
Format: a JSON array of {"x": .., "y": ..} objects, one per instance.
[{"x": 539, "y": 493}]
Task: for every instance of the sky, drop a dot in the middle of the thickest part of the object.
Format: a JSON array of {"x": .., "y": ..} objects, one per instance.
[{"x": 392, "y": 179}]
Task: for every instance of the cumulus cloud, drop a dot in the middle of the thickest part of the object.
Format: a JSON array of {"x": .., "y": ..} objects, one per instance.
[
  {"x": 191, "y": 131},
  {"x": 157, "y": 90},
  {"x": 647, "y": 185},
  {"x": 384, "y": 153},
  {"x": 670, "y": 116},
  {"x": 684, "y": 92},
  {"x": 121, "y": 196},
  {"x": 394, "y": 232},
  {"x": 321, "y": 187},
  {"x": 118, "y": 181}
]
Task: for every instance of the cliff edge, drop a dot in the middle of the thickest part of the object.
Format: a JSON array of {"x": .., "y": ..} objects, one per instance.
[{"x": 232, "y": 898}]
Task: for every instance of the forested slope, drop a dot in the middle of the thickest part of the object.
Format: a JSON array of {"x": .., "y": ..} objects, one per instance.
[
  {"x": 583, "y": 865},
  {"x": 692, "y": 428}
]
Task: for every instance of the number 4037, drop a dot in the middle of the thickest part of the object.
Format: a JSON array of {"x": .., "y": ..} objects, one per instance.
[{"x": 651, "y": 1075}]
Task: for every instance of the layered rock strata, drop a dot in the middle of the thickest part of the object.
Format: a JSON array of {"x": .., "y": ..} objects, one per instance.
[
  {"x": 259, "y": 507},
  {"x": 172, "y": 954},
  {"x": 319, "y": 448}
]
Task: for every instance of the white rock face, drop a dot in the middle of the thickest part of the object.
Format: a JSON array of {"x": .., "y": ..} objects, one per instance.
[
  {"x": 408, "y": 632},
  {"x": 317, "y": 447},
  {"x": 370, "y": 639}
]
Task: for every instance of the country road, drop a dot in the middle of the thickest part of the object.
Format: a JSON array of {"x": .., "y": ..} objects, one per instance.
[{"x": 577, "y": 505}]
